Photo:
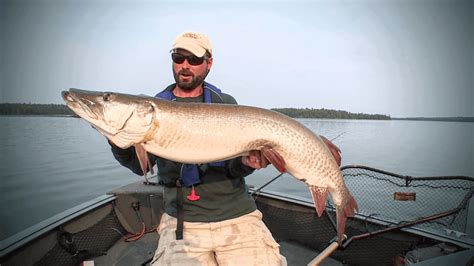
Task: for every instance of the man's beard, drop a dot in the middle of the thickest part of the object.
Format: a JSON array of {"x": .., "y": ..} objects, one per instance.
[{"x": 193, "y": 83}]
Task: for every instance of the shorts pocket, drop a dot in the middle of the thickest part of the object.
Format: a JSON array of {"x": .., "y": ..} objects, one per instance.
[
  {"x": 158, "y": 257},
  {"x": 273, "y": 251}
]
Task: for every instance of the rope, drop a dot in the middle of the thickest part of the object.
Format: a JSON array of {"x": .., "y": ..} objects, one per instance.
[{"x": 130, "y": 237}]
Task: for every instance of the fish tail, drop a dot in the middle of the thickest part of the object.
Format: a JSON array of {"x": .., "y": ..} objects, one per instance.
[{"x": 342, "y": 212}]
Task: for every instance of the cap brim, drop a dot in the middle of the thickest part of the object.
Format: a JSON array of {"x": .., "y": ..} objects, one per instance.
[{"x": 192, "y": 47}]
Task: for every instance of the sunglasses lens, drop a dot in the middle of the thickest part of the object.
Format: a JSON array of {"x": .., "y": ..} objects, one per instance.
[
  {"x": 192, "y": 59},
  {"x": 178, "y": 58}
]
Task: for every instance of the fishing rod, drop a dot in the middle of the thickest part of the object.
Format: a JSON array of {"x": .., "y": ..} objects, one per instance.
[
  {"x": 257, "y": 191},
  {"x": 337, "y": 136}
]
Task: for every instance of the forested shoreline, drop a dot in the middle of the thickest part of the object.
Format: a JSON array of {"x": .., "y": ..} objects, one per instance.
[
  {"x": 327, "y": 113},
  {"x": 63, "y": 110}
]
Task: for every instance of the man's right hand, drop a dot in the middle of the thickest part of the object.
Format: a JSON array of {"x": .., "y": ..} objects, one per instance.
[{"x": 255, "y": 160}]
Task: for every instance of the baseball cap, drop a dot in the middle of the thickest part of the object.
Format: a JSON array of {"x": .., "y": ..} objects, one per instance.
[{"x": 195, "y": 42}]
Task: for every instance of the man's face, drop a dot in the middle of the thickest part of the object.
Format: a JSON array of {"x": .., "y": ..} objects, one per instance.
[{"x": 189, "y": 76}]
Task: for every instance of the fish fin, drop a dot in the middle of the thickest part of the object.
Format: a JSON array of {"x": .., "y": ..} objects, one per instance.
[
  {"x": 142, "y": 159},
  {"x": 342, "y": 214},
  {"x": 319, "y": 195},
  {"x": 275, "y": 158}
]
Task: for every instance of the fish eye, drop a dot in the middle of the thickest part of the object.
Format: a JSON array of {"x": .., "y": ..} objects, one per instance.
[{"x": 106, "y": 97}]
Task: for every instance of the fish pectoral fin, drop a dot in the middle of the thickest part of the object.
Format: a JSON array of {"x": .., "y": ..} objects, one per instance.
[
  {"x": 319, "y": 195},
  {"x": 342, "y": 212},
  {"x": 143, "y": 159},
  {"x": 274, "y": 158}
]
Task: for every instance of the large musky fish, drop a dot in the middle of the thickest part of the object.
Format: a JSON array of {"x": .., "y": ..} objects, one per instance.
[{"x": 200, "y": 133}]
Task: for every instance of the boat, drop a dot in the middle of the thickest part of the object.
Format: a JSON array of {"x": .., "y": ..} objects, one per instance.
[{"x": 402, "y": 220}]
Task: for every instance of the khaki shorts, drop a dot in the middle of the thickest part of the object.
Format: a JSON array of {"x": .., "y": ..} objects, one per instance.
[{"x": 241, "y": 241}]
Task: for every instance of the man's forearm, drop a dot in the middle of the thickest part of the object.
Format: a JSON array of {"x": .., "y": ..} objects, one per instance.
[{"x": 237, "y": 169}]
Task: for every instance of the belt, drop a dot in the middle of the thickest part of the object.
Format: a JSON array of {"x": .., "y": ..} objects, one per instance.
[{"x": 179, "y": 203}]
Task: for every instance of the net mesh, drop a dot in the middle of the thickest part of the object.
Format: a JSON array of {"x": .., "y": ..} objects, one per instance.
[{"x": 399, "y": 199}]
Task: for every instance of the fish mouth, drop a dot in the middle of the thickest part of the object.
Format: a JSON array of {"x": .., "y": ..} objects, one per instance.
[
  {"x": 67, "y": 96},
  {"x": 75, "y": 101}
]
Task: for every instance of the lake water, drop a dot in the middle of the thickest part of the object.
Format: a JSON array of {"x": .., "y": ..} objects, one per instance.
[{"x": 50, "y": 164}]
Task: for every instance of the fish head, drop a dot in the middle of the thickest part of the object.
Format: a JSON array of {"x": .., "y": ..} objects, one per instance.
[{"x": 123, "y": 119}]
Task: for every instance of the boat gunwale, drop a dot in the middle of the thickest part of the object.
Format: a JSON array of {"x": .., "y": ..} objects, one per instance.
[{"x": 35, "y": 231}]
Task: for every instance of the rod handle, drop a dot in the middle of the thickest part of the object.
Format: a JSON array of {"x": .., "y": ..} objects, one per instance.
[{"x": 324, "y": 254}]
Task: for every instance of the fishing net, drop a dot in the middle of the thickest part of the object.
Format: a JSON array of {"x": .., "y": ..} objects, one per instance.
[
  {"x": 290, "y": 223},
  {"x": 394, "y": 199},
  {"x": 387, "y": 202}
]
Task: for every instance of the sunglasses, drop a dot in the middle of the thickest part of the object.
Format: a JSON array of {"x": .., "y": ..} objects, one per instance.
[{"x": 192, "y": 59}]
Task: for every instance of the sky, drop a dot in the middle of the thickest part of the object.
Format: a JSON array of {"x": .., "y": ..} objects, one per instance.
[{"x": 398, "y": 58}]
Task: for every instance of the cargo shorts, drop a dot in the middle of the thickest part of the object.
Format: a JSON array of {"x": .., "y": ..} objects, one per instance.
[{"x": 240, "y": 241}]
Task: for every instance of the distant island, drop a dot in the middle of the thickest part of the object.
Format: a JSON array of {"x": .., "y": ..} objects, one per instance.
[
  {"x": 63, "y": 110},
  {"x": 327, "y": 113}
]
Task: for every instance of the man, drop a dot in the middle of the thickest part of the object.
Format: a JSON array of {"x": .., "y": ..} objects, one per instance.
[{"x": 209, "y": 216}]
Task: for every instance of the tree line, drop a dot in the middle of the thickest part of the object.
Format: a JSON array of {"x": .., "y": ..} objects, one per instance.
[
  {"x": 61, "y": 109},
  {"x": 327, "y": 113},
  {"x": 34, "y": 109}
]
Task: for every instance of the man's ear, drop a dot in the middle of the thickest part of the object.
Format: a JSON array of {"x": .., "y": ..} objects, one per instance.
[{"x": 209, "y": 63}]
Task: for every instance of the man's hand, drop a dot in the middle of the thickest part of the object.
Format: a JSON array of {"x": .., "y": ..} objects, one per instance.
[
  {"x": 255, "y": 159},
  {"x": 336, "y": 152}
]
